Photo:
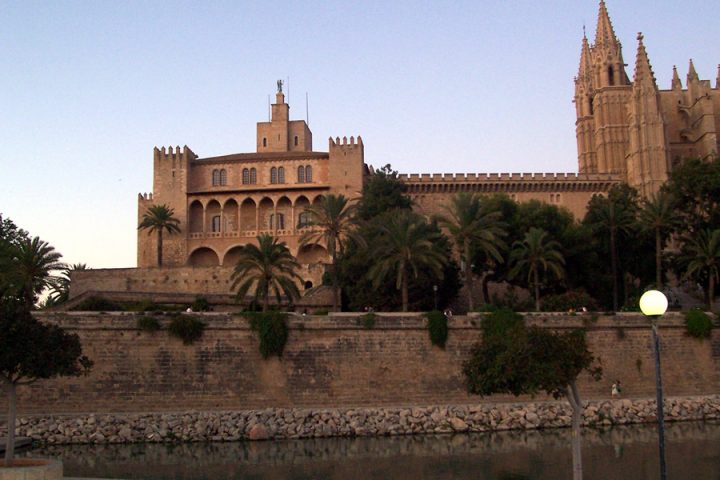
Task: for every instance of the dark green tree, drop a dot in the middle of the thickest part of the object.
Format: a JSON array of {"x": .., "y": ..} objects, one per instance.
[
  {"x": 659, "y": 217},
  {"x": 34, "y": 262},
  {"x": 523, "y": 360},
  {"x": 60, "y": 291},
  {"x": 159, "y": 219},
  {"x": 695, "y": 187},
  {"x": 701, "y": 257},
  {"x": 536, "y": 256},
  {"x": 269, "y": 267},
  {"x": 383, "y": 192},
  {"x": 404, "y": 246}
]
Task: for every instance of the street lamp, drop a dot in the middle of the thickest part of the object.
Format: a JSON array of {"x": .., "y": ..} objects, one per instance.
[
  {"x": 653, "y": 305},
  {"x": 435, "y": 288}
]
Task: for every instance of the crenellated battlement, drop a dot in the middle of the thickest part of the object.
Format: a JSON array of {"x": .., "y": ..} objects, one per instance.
[
  {"x": 508, "y": 177},
  {"x": 146, "y": 197},
  {"x": 176, "y": 154},
  {"x": 344, "y": 142}
]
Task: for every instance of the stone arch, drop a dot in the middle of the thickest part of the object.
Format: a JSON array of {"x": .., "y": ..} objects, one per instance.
[
  {"x": 230, "y": 215},
  {"x": 212, "y": 212},
  {"x": 265, "y": 209},
  {"x": 301, "y": 203},
  {"x": 317, "y": 199},
  {"x": 196, "y": 216},
  {"x": 232, "y": 255},
  {"x": 248, "y": 210},
  {"x": 203, "y": 257},
  {"x": 284, "y": 207},
  {"x": 311, "y": 254}
]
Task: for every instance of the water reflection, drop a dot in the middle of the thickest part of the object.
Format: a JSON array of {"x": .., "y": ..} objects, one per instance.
[{"x": 620, "y": 453}]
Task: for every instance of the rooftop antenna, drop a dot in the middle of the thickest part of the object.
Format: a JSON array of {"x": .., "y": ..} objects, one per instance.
[
  {"x": 269, "y": 109},
  {"x": 307, "y": 110},
  {"x": 288, "y": 89}
]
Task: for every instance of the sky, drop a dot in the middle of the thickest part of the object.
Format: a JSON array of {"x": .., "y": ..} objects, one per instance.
[{"x": 89, "y": 88}]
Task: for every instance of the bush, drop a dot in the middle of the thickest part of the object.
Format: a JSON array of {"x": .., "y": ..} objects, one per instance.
[
  {"x": 148, "y": 324},
  {"x": 272, "y": 329},
  {"x": 97, "y": 304},
  {"x": 698, "y": 324},
  {"x": 186, "y": 328},
  {"x": 571, "y": 300},
  {"x": 437, "y": 328},
  {"x": 500, "y": 321},
  {"x": 367, "y": 320},
  {"x": 321, "y": 311},
  {"x": 200, "y": 304}
]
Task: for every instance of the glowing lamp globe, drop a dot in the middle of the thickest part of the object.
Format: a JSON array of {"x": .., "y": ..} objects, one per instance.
[{"x": 653, "y": 303}]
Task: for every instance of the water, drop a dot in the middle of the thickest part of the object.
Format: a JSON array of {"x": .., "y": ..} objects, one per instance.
[{"x": 693, "y": 452}]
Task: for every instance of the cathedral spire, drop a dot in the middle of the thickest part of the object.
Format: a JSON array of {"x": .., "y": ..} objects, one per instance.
[
  {"x": 585, "y": 66},
  {"x": 643, "y": 71},
  {"x": 676, "y": 83},
  {"x": 604, "y": 33},
  {"x": 692, "y": 74}
]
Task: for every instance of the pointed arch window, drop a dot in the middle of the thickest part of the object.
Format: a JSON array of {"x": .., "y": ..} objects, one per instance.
[
  {"x": 216, "y": 177},
  {"x": 273, "y": 175},
  {"x": 253, "y": 176},
  {"x": 281, "y": 175},
  {"x": 245, "y": 176},
  {"x": 223, "y": 177},
  {"x": 264, "y": 142},
  {"x": 308, "y": 174},
  {"x": 301, "y": 174},
  {"x": 296, "y": 140}
]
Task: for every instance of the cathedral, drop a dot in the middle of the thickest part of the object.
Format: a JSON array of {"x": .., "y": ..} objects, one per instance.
[{"x": 627, "y": 131}]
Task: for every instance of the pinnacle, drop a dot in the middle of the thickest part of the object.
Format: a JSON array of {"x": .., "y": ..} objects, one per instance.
[
  {"x": 692, "y": 74},
  {"x": 604, "y": 34},
  {"x": 643, "y": 70},
  {"x": 676, "y": 83}
]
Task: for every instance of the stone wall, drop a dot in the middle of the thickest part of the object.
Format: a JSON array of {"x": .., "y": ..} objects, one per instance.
[{"x": 333, "y": 362}]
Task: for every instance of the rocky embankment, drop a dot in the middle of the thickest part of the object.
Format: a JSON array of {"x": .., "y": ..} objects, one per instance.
[{"x": 281, "y": 423}]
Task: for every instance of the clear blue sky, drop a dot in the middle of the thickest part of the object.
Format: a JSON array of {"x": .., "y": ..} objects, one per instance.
[{"x": 88, "y": 88}]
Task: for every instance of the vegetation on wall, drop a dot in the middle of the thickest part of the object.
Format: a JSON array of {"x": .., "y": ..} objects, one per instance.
[
  {"x": 437, "y": 328},
  {"x": 148, "y": 324},
  {"x": 187, "y": 328},
  {"x": 272, "y": 330},
  {"x": 367, "y": 320},
  {"x": 698, "y": 324}
]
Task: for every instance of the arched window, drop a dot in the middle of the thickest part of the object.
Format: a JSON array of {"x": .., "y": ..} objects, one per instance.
[
  {"x": 303, "y": 219},
  {"x": 296, "y": 140},
  {"x": 611, "y": 76},
  {"x": 264, "y": 142},
  {"x": 301, "y": 174},
  {"x": 215, "y": 177},
  {"x": 216, "y": 223},
  {"x": 253, "y": 176},
  {"x": 273, "y": 175},
  {"x": 308, "y": 174},
  {"x": 245, "y": 176},
  {"x": 223, "y": 177},
  {"x": 281, "y": 175}
]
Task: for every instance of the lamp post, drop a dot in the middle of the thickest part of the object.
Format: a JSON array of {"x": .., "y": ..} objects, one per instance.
[
  {"x": 435, "y": 289},
  {"x": 653, "y": 305}
]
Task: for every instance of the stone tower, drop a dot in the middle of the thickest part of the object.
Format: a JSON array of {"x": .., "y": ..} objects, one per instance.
[{"x": 633, "y": 129}]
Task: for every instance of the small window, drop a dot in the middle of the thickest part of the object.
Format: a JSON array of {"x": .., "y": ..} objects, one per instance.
[
  {"x": 245, "y": 176},
  {"x": 301, "y": 174},
  {"x": 216, "y": 223},
  {"x": 277, "y": 221},
  {"x": 281, "y": 175},
  {"x": 611, "y": 76},
  {"x": 308, "y": 285},
  {"x": 215, "y": 177},
  {"x": 264, "y": 142},
  {"x": 308, "y": 174},
  {"x": 273, "y": 175},
  {"x": 223, "y": 177},
  {"x": 296, "y": 140},
  {"x": 253, "y": 176},
  {"x": 303, "y": 220}
]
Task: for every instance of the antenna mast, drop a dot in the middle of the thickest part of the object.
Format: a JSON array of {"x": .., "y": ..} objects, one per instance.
[{"x": 269, "y": 109}]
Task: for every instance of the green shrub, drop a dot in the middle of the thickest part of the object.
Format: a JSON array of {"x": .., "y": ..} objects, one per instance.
[
  {"x": 321, "y": 311},
  {"x": 571, "y": 300},
  {"x": 367, "y": 320},
  {"x": 148, "y": 324},
  {"x": 698, "y": 324},
  {"x": 97, "y": 304},
  {"x": 186, "y": 328},
  {"x": 500, "y": 321},
  {"x": 200, "y": 304},
  {"x": 437, "y": 328},
  {"x": 272, "y": 329}
]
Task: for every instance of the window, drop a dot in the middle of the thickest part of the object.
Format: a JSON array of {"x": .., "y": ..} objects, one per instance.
[
  {"x": 301, "y": 174},
  {"x": 273, "y": 175},
  {"x": 308, "y": 174},
  {"x": 264, "y": 142},
  {"x": 245, "y": 176},
  {"x": 223, "y": 177},
  {"x": 253, "y": 176},
  {"x": 281, "y": 175},
  {"x": 215, "y": 177},
  {"x": 216, "y": 223},
  {"x": 303, "y": 220},
  {"x": 277, "y": 221},
  {"x": 296, "y": 140}
]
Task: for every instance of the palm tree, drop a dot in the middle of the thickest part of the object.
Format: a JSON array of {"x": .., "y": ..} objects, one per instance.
[
  {"x": 703, "y": 258},
  {"x": 406, "y": 245},
  {"x": 61, "y": 290},
  {"x": 617, "y": 216},
  {"x": 270, "y": 267},
  {"x": 472, "y": 229},
  {"x": 334, "y": 220},
  {"x": 536, "y": 253},
  {"x": 159, "y": 218},
  {"x": 658, "y": 215},
  {"x": 34, "y": 260}
]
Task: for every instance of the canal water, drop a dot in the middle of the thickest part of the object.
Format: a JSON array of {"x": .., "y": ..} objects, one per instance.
[{"x": 629, "y": 452}]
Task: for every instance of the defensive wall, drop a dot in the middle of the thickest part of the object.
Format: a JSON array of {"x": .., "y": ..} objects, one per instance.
[{"x": 333, "y": 361}]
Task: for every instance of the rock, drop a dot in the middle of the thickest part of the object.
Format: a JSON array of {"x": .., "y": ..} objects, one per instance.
[
  {"x": 258, "y": 432},
  {"x": 458, "y": 424}
]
